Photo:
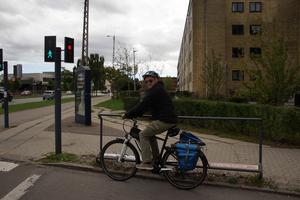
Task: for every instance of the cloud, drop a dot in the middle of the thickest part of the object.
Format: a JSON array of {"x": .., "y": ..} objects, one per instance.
[{"x": 152, "y": 27}]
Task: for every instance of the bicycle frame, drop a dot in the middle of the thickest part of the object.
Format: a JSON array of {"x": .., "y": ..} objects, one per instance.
[{"x": 157, "y": 163}]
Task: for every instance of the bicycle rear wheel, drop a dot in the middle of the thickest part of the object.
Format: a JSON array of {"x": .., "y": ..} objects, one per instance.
[
  {"x": 184, "y": 179},
  {"x": 123, "y": 168}
]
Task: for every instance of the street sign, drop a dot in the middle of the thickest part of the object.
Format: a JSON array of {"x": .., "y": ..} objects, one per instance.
[
  {"x": 1, "y": 60},
  {"x": 69, "y": 50},
  {"x": 50, "y": 45}
]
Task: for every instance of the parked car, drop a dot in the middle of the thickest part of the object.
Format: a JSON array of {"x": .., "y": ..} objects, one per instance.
[
  {"x": 68, "y": 92},
  {"x": 10, "y": 96},
  {"x": 48, "y": 95},
  {"x": 25, "y": 93}
]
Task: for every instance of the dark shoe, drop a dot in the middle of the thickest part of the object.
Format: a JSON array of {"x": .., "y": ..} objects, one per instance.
[{"x": 145, "y": 166}]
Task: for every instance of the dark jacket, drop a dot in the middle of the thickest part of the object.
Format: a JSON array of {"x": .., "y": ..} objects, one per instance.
[{"x": 158, "y": 102}]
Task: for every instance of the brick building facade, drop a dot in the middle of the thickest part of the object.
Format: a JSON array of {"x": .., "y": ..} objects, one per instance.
[{"x": 231, "y": 28}]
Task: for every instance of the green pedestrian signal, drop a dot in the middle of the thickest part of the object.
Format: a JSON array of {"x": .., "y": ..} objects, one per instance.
[
  {"x": 50, "y": 54},
  {"x": 50, "y": 46}
]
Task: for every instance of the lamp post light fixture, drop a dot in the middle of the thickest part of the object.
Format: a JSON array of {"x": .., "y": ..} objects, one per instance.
[
  {"x": 114, "y": 44},
  {"x": 134, "y": 85}
]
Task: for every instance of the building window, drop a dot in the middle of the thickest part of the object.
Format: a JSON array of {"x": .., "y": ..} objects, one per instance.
[
  {"x": 237, "y": 75},
  {"x": 237, "y": 52},
  {"x": 255, "y": 29},
  {"x": 237, "y": 29},
  {"x": 237, "y": 7},
  {"x": 255, "y": 6},
  {"x": 255, "y": 52}
]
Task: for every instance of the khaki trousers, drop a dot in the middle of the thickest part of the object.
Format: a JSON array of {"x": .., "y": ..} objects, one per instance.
[{"x": 148, "y": 143}]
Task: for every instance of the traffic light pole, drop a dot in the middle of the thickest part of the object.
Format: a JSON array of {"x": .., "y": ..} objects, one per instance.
[
  {"x": 58, "y": 101},
  {"x": 5, "y": 105}
]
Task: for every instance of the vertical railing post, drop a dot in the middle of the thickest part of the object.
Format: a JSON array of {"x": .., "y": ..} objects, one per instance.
[
  {"x": 101, "y": 133},
  {"x": 261, "y": 135}
]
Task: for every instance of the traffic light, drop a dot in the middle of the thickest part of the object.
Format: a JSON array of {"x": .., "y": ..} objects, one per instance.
[
  {"x": 1, "y": 60},
  {"x": 69, "y": 50},
  {"x": 50, "y": 46}
]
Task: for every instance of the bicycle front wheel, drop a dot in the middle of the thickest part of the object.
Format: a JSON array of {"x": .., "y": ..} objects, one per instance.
[
  {"x": 117, "y": 167},
  {"x": 184, "y": 179}
]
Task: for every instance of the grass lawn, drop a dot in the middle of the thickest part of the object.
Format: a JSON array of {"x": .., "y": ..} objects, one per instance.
[
  {"x": 28, "y": 96},
  {"x": 113, "y": 104},
  {"x": 33, "y": 105}
]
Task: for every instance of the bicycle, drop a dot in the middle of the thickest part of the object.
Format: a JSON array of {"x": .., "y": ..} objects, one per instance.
[{"x": 119, "y": 157}]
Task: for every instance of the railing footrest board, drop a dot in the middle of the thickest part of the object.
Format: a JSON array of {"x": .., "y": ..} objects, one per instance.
[{"x": 234, "y": 167}]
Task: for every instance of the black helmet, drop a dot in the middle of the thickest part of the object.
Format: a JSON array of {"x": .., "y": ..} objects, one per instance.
[{"x": 151, "y": 73}]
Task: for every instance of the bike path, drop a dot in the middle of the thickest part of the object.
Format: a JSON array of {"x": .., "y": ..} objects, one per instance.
[{"x": 32, "y": 140}]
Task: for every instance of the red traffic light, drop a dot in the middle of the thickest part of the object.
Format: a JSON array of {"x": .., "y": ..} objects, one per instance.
[
  {"x": 69, "y": 47},
  {"x": 69, "y": 50}
]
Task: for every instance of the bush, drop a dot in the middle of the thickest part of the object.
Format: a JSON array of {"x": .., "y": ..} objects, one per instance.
[
  {"x": 124, "y": 94},
  {"x": 281, "y": 124},
  {"x": 183, "y": 94},
  {"x": 239, "y": 99}
]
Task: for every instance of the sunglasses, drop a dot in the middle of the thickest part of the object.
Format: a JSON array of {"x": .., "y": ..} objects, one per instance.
[{"x": 149, "y": 81}]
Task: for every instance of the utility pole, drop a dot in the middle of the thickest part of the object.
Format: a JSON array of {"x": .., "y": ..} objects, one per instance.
[
  {"x": 134, "y": 85},
  {"x": 85, "y": 36},
  {"x": 114, "y": 47}
]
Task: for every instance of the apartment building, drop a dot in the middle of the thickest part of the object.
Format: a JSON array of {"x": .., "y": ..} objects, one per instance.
[{"x": 232, "y": 28}]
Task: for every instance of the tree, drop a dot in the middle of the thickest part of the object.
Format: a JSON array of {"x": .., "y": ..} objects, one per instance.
[
  {"x": 96, "y": 63},
  {"x": 118, "y": 79},
  {"x": 51, "y": 84},
  {"x": 168, "y": 83},
  {"x": 123, "y": 59},
  {"x": 67, "y": 80},
  {"x": 276, "y": 75},
  {"x": 148, "y": 65},
  {"x": 213, "y": 74}
]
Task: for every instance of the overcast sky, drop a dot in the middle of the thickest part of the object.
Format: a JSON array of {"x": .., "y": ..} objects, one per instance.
[{"x": 153, "y": 27}]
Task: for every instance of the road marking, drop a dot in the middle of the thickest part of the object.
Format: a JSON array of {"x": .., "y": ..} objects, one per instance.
[
  {"x": 7, "y": 166},
  {"x": 22, "y": 188}
]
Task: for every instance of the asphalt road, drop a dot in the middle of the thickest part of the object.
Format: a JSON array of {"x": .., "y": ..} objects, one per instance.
[
  {"x": 30, "y": 100},
  {"x": 33, "y": 182}
]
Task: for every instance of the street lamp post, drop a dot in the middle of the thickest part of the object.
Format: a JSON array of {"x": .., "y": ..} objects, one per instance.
[
  {"x": 134, "y": 85},
  {"x": 114, "y": 44}
]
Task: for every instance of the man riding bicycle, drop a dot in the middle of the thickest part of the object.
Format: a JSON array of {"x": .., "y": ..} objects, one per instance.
[{"x": 158, "y": 102}]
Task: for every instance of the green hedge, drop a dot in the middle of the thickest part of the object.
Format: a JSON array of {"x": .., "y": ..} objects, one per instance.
[{"x": 281, "y": 124}]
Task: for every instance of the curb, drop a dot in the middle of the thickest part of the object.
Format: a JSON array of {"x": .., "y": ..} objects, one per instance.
[{"x": 86, "y": 168}]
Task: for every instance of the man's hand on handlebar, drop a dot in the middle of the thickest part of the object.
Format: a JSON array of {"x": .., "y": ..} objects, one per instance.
[{"x": 125, "y": 116}]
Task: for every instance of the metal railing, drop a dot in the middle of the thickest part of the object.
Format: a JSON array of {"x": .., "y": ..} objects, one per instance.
[{"x": 218, "y": 166}]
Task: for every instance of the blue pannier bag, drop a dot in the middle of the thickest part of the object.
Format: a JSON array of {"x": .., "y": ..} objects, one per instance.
[
  {"x": 187, "y": 155},
  {"x": 186, "y": 137}
]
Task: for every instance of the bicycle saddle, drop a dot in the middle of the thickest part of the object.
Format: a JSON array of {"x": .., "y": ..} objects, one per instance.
[{"x": 173, "y": 131}]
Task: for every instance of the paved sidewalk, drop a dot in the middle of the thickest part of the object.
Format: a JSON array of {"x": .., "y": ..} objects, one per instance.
[{"x": 32, "y": 140}]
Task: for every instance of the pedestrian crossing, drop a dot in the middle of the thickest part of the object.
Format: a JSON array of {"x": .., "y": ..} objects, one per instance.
[
  {"x": 7, "y": 166},
  {"x": 20, "y": 188}
]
